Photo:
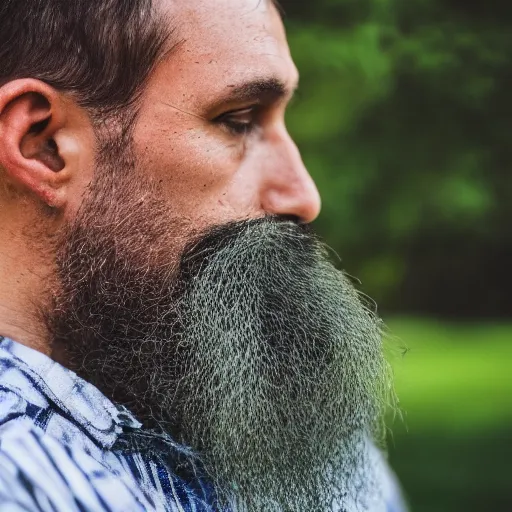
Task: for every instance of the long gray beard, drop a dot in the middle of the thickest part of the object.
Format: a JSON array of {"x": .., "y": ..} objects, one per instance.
[
  {"x": 254, "y": 351},
  {"x": 284, "y": 382}
]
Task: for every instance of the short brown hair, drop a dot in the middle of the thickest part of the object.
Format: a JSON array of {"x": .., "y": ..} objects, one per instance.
[{"x": 100, "y": 50}]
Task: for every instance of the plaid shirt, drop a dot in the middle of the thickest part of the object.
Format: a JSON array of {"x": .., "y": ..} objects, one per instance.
[{"x": 60, "y": 448}]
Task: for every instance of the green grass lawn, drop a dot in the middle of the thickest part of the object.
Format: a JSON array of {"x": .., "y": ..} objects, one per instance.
[{"x": 453, "y": 447}]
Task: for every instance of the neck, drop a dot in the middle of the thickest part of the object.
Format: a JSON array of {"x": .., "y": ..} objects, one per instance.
[{"x": 22, "y": 283}]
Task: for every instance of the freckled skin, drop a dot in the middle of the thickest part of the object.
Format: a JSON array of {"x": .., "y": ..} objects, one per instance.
[
  {"x": 207, "y": 173},
  {"x": 210, "y": 175}
]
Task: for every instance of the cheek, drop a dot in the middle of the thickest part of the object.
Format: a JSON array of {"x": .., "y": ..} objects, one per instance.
[{"x": 195, "y": 170}]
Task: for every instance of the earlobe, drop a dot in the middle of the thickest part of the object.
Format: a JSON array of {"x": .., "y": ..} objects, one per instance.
[{"x": 32, "y": 125}]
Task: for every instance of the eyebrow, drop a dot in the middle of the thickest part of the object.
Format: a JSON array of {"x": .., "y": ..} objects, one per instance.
[{"x": 260, "y": 90}]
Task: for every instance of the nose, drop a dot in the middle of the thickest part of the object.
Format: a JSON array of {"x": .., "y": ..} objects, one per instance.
[{"x": 287, "y": 187}]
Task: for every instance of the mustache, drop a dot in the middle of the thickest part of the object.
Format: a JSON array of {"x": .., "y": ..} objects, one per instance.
[{"x": 216, "y": 238}]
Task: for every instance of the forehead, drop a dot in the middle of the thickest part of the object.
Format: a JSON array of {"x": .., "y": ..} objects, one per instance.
[{"x": 224, "y": 42}]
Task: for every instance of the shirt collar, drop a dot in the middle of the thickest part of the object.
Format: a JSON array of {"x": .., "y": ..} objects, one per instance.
[{"x": 39, "y": 377}]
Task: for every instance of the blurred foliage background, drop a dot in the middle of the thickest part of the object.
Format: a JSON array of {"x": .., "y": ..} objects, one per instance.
[{"x": 403, "y": 118}]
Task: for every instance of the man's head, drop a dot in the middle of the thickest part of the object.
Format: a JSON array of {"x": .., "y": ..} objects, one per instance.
[
  {"x": 153, "y": 193},
  {"x": 198, "y": 87}
]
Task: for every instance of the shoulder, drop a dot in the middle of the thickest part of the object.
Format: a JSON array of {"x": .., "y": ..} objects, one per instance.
[
  {"x": 37, "y": 472},
  {"x": 24, "y": 475},
  {"x": 390, "y": 487}
]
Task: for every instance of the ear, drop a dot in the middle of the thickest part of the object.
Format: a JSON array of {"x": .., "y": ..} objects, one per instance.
[{"x": 39, "y": 145}]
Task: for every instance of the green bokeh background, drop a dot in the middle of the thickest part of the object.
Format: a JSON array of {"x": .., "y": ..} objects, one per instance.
[{"x": 404, "y": 118}]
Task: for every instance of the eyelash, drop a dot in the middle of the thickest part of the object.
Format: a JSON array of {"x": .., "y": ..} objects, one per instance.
[{"x": 238, "y": 128}]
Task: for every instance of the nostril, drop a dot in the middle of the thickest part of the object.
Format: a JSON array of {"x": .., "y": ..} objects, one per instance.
[
  {"x": 290, "y": 218},
  {"x": 299, "y": 204}
]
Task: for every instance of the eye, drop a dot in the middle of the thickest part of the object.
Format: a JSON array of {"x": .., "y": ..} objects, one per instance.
[{"x": 239, "y": 122}]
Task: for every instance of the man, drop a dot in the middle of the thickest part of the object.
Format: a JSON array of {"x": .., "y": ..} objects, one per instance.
[{"x": 173, "y": 336}]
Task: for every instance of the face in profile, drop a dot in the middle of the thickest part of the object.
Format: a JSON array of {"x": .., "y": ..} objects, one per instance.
[{"x": 191, "y": 289}]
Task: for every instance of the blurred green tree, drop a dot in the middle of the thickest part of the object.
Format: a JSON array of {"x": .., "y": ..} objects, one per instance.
[{"x": 403, "y": 119}]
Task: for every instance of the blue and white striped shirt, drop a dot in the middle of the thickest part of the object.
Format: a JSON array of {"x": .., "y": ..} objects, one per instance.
[{"x": 61, "y": 448}]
